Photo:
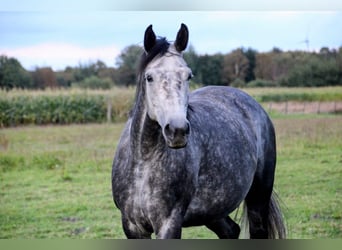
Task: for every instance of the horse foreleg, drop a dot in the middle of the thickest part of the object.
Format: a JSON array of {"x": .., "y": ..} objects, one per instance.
[
  {"x": 170, "y": 228},
  {"x": 225, "y": 228},
  {"x": 134, "y": 232}
]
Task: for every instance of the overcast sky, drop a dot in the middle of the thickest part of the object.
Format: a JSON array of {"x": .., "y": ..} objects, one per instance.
[{"x": 59, "y": 37}]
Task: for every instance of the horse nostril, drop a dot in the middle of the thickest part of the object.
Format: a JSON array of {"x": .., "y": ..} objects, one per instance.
[
  {"x": 175, "y": 131},
  {"x": 182, "y": 131},
  {"x": 168, "y": 130},
  {"x": 167, "y": 126}
]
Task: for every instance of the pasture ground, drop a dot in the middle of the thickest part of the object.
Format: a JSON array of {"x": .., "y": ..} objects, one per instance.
[{"x": 55, "y": 180}]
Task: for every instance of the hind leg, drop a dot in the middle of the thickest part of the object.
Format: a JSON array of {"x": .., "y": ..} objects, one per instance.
[
  {"x": 257, "y": 202},
  {"x": 259, "y": 196},
  {"x": 225, "y": 228},
  {"x": 257, "y": 212}
]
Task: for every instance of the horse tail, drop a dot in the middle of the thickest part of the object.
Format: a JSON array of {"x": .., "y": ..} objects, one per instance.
[
  {"x": 275, "y": 221},
  {"x": 244, "y": 224},
  {"x": 276, "y": 225}
]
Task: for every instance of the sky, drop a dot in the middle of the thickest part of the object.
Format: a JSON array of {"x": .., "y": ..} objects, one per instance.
[{"x": 50, "y": 35}]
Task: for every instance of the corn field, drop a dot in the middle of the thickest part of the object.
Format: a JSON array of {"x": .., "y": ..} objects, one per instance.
[{"x": 21, "y": 107}]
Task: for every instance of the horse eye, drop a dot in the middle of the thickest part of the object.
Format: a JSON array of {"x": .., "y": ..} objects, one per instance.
[{"x": 149, "y": 78}]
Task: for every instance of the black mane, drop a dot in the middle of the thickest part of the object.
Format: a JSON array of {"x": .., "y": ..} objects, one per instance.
[{"x": 160, "y": 48}]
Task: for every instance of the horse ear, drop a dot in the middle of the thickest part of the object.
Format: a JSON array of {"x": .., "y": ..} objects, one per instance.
[
  {"x": 149, "y": 39},
  {"x": 182, "y": 38}
]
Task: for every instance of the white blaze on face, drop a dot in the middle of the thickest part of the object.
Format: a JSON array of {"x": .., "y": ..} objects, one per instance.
[{"x": 167, "y": 88}]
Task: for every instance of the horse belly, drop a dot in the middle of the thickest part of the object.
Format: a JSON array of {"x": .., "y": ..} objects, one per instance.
[{"x": 219, "y": 192}]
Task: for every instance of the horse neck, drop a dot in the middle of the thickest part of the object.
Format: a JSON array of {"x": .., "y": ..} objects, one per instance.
[{"x": 144, "y": 131}]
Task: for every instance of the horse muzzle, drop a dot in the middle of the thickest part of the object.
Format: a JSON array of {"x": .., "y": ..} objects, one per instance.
[{"x": 176, "y": 133}]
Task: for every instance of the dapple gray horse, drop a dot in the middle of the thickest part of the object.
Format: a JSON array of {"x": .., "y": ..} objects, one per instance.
[{"x": 189, "y": 159}]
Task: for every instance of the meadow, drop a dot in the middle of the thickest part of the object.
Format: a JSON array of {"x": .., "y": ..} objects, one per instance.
[{"x": 55, "y": 180}]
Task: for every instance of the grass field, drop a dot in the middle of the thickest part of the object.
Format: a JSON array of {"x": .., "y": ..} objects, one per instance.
[{"x": 55, "y": 180}]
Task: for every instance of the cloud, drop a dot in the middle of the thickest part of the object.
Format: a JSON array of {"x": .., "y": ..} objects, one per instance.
[{"x": 60, "y": 55}]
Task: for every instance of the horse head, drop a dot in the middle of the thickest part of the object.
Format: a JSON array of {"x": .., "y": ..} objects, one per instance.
[{"x": 167, "y": 87}]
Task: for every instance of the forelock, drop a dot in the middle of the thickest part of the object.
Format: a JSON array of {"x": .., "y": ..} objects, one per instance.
[{"x": 160, "y": 48}]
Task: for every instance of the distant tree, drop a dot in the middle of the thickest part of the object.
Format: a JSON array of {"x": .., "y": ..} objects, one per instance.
[
  {"x": 44, "y": 78},
  {"x": 263, "y": 68},
  {"x": 326, "y": 54},
  {"x": 273, "y": 66},
  {"x": 13, "y": 75},
  {"x": 94, "y": 82},
  {"x": 129, "y": 56},
  {"x": 339, "y": 64},
  {"x": 125, "y": 76},
  {"x": 98, "y": 66},
  {"x": 209, "y": 69},
  {"x": 191, "y": 58},
  {"x": 276, "y": 50},
  {"x": 282, "y": 63},
  {"x": 107, "y": 73},
  {"x": 250, "y": 54},
  {"x": 311, "y": 69},
  {"x": 87, "y": 70},
  {"x": 235, "y": 66},
  {"x": 127, "y": 63},
  {"x": 66, "y": 77}
]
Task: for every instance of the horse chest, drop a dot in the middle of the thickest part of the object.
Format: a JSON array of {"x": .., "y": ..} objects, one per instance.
[
  {"x": 155, "y": 188},
  {"x": 141, "y": 190},
  {"x": 143, "y": 193}
]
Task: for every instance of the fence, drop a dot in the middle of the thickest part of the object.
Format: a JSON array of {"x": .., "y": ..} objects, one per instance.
[{"x": 290, "y": 107}]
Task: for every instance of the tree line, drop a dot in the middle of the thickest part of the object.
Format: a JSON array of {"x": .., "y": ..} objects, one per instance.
[{"x": 240, "y": 68}]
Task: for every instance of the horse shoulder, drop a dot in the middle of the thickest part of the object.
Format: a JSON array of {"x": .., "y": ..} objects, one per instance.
[
  {"x": 122, "y": 150},
  {"x": 120, "y": 167}
]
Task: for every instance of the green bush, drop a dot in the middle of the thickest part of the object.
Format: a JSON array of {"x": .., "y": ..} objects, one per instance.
[
  {"x": 94, "y": 82},
  {"x": 313, "y": 73},
  {"x": 261, "y": 83},
  {"x": 238, "y": 83}
]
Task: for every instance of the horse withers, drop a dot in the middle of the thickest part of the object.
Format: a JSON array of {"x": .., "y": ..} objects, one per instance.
[{"x": 189, "y": 159}]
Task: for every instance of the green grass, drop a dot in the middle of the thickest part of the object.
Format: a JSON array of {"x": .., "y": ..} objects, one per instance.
[
  {"x": 318, "y": 94},
  {"x": 55, "y": 180},
  {"x": 309, "y": 174},
  {"x": 280, "y": 94}
]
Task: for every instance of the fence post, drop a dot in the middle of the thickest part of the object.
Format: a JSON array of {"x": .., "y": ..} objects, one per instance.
[
  {"x": 109, "y": 111},
  {"x": 270, "y": 107},
  {"x": 286, "y": 106}
]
